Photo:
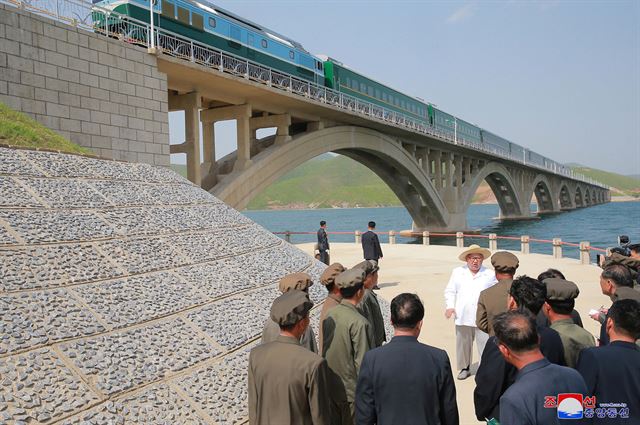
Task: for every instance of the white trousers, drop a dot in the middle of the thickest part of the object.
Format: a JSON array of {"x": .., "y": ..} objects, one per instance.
[{"x": 464, "y": 344}]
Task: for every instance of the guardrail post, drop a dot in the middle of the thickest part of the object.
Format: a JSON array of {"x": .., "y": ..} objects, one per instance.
[
  {"x": 524, "y": 244},
  {"x": 585, "y": 248},
  {"x": 459, "y": 239},
  {"x": 392, "y": 237},
  {"x": 287, "y": 236},
  {"x": 557, "y": 248},
  {"x": 425, "y": 238},
  {"x": 358, "y": 236},
  {"x": 493, "y": 242}
]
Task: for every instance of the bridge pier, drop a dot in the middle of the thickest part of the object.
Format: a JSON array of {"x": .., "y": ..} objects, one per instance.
[{"x": 191, "y": 104}]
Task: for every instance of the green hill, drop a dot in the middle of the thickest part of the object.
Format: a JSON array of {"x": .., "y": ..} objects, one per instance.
[
  {"x": 17, "y": 129},
  {"x": 621, "y": 185}
]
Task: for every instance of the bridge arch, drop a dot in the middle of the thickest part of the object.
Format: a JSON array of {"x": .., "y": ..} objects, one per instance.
[
  {"x": 382, "y": 154},
  {"x": 579, "y": 200},
  {"x": 547, "y": 200},
  {"x": 565, "y": 198},
  {"x": 503, "y": 187}
]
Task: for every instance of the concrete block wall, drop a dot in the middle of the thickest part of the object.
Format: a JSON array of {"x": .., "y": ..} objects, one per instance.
[{"x": 98, "y": 92}]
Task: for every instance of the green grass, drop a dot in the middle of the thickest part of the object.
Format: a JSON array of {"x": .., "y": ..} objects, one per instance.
[
  {"x": 623, "y": 185},
  {"x": 17, "y": 129}
]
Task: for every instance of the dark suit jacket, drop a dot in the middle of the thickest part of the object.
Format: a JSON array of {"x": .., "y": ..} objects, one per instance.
[
  {"x": 406, "y": 383},
  {"x": 612, "y": 374},
  {"x": 323, "y": 241},
  {"x": 371, "y": 246},
  {"x": 622, "y": 293},
  {"x": 495, "y": 375}
]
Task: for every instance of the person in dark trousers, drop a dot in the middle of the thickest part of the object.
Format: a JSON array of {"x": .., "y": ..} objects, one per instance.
[
  {"x": 371, "y": 249},
  {"x": 524, "y": 402},
  {"x": 323, "y": 243},
  {"x": 495, "y": 375},
  {"x": 404, "y": 381},
  {"x": 612, "y": 372},
  {"x": 541, "y": 319}
]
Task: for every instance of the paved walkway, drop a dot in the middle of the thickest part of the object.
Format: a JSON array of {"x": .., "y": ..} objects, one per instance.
[{"x": 425, "y": 270}]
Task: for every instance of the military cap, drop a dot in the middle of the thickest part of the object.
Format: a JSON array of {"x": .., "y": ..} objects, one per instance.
[
  {"x": 560, "y": 289},
  {"x": 504, "y": 262},
  {"x": 328, "y": 277},
  {"x": 300, "y": 281},
  {"x": 350, "y": 278},
  {"x": 368, "y": 266},
  {"x": 290, "y": 307}
]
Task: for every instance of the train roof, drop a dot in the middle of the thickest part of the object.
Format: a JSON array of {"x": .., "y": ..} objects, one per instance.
[{"x": 212, "y": 8}]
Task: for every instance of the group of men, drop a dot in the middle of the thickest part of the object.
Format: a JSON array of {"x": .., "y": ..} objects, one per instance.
[
  {"x": 532, "y": 345},
  {"x": 529, "y": 336}
]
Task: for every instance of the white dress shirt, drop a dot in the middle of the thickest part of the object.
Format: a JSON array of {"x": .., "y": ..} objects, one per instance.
[{"x": 463, "y": 290}]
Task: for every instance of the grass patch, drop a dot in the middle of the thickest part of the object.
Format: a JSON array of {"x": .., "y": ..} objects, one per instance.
[{"x": 17, "y": 129}]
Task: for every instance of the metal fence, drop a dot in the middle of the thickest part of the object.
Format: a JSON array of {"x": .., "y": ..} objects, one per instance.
[{"x": 111, "y": 24}]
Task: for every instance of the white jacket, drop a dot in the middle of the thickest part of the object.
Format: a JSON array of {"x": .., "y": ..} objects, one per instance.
[{"x": 463, "y": 290}]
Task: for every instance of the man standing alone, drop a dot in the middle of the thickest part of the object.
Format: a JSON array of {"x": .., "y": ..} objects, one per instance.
[
  {"x": 323, "y": 243},
  {"x": 371, "y": 244},
  {"x": 406, "y": 382},
  {"x": 461, "y": 298}
]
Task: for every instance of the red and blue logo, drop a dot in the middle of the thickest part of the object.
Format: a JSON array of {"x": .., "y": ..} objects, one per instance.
[{"x": 570, "y": 406}]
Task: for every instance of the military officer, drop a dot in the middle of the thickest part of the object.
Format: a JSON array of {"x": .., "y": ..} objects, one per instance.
[
  {"x": 328, "y": 278},
  {"x": 559, "y": 303},
  {"x": 287, "y": 383},
  {"x": 271, "y": 331},
  {"x": 493, "y": 300},
  {"x": 369, "y": 306},
  {"x": 346, "y": 334}
]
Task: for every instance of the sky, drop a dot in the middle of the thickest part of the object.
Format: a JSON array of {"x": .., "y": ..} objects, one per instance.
[{"x": 561, "y": 78}]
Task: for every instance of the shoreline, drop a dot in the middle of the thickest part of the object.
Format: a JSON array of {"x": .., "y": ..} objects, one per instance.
[{"x": 614, "y": 199}]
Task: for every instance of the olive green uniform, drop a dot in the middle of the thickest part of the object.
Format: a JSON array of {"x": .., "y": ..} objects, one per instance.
[
  {"x": 288, "y": 384},
  {"x": 346, "y": 337},
  {"x": 370, "y": 308},
  {"x": 271, "y": 331},
  {"x": 331, "y": 301},
  {"x": 492, "y": 301},
  {"x": 574, "y": 339}
]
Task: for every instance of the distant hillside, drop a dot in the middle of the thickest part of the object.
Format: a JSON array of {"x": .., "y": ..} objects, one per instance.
[
  {"x": 337, "y": 181},
  {"x": 621, "y": 185}
]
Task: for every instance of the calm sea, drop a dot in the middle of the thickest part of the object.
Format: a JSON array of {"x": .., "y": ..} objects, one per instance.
[{"x": 599, "y": 225}]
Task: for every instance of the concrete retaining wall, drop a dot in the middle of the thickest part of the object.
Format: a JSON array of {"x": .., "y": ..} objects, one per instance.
[{"x": 98, "y": 92}]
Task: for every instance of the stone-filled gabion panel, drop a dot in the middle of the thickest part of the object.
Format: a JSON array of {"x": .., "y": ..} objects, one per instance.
[
  {"x": 50, "y": 266},
  {"x": 5, "y": 237},
  {"x": 56, "y": 226},
  {"x": 36, "y": 318},
  {"x": 140, "y": 298},
  {"x": 157, "y": 405},
  {"x": 13, "y": 162},
  {"x": 124, "y": 360},
  {"x": 14, "y": 195},
  {"x": 37, "y": 386},
  {"x": 217, "y": 279},
  {"x": 140, "y": 254},
  {"x": 231, "y": 322},
  {"x": 126, "y": 193},
  {"x": 66, "y": 193},
  {"x": 69, "y": 166},
  {"x": 221, "y": 389}
]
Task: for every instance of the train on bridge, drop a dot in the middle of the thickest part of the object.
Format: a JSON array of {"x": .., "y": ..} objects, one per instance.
[{"x": 225, "y": 31}]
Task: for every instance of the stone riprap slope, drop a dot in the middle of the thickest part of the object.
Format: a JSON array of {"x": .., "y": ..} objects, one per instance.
[{"x": 127, "y": 294}]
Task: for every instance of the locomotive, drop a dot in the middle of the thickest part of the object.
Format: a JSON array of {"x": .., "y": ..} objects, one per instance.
[{"x": 225, "y": 31}]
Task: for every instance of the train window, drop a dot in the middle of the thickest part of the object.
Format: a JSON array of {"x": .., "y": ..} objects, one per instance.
[
  {"x": 363, "y": 87},
  {"x": 319, "y": 66},
  {"x": 292, "y": 55},
  {"x": 197, "y": 21},
  {"x": 183, "y": 15},
  {"x": 354, "y": 84},
  {"x": 169, "y": 9},
  {"x": 348, "y": 81},
  {"x": 384, "y": 96},
  {"x": 263, "y": 43},
  {"x": 370, "y": 90},
  {"x": 377, "y": 93},
  {"x": 212, "y": 22}
]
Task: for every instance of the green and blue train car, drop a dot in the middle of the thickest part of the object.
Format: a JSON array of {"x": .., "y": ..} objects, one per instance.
[{"x": 224, "y": 31}]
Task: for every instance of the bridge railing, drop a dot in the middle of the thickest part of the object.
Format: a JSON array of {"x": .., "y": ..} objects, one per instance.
[
  {"x": 103, "y": 21},
  {"x": 523, "y": 243}
]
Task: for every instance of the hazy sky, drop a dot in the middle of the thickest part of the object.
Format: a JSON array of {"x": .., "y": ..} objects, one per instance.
[{"x": 559, "y": 77}]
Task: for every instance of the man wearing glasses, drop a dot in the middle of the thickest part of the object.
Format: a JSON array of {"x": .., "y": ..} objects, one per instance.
[{"x": 461, "y": 298}]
